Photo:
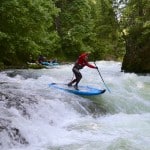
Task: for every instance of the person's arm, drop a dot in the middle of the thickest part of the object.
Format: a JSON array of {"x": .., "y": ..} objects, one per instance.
[{"x": 90, "y": 65}]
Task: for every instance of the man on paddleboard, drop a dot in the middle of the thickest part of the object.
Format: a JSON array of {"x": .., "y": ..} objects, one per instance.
[{"x": 81, "y": 62}]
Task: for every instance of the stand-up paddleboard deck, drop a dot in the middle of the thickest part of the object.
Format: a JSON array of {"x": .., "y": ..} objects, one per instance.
[{"x": 83, "y": 90}]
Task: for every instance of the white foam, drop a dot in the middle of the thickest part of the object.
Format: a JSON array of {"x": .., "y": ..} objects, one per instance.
[{"x": 59, "y": 120}]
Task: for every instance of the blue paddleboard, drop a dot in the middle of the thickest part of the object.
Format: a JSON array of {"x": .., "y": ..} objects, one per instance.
[{"x": 83, "y": 90}]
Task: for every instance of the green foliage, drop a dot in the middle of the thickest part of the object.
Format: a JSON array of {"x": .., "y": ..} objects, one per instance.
[
  {"x": 25, "y": 29},
  {"x": 58, "y": 28},
  {"x": 106, "y": 30},
  {"x": 1, "y": 66},
  {"x": 76, "y": 26},
  {"x": 88, "y": 26},
  {"x": 135, "y": 22}
]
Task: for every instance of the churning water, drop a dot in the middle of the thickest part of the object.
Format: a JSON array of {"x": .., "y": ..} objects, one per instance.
[{"x": 34, "y": 116}]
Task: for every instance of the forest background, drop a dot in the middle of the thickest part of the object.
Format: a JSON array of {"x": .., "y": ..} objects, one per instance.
[{"x": 65, "y": 28}]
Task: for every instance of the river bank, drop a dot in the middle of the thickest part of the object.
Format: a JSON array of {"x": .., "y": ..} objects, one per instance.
[{"x": 28, "y": 66}]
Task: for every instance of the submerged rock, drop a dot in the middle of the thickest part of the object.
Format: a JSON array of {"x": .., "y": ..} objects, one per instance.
[{"x": 10, "y": 134}]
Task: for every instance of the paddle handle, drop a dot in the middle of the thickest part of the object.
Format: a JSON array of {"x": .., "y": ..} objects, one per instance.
[{"x": 102, "y": 78}]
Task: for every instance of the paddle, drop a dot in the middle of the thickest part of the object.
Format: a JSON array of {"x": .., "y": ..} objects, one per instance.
[{"x": 102, "y": 78}]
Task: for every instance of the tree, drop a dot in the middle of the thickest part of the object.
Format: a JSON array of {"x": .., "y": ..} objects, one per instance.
[
  {"x": 26, "y": 28},
  {"x": 106, "y": 29},
  {"x": 136, "y": 31},
  {"x": 74, "y": 26}
]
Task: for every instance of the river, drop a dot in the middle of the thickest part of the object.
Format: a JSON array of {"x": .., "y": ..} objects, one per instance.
[{"x": 34, "y": 116}]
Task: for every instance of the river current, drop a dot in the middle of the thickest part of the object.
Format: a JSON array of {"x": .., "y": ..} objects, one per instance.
[{"x": 34, "y": 116}]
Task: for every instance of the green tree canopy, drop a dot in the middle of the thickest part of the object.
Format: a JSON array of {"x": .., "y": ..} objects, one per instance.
[
  {"x": 63, "y": 28},
  {"x": 26, "y": 28}
]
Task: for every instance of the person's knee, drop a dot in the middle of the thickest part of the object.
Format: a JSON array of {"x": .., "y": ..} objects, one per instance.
[{"x": 80, "y": 76}]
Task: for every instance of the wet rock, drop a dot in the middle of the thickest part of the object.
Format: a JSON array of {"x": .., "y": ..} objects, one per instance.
[
  {"x": 137, "y": 57},
  {"x": 10, "y": 134}
]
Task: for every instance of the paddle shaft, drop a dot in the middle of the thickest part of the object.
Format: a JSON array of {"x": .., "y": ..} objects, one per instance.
[{"x": 102, "y": 78}]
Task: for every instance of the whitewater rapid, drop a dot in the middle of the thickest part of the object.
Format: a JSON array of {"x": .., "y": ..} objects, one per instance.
[{"x": 34, "y": 116}]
